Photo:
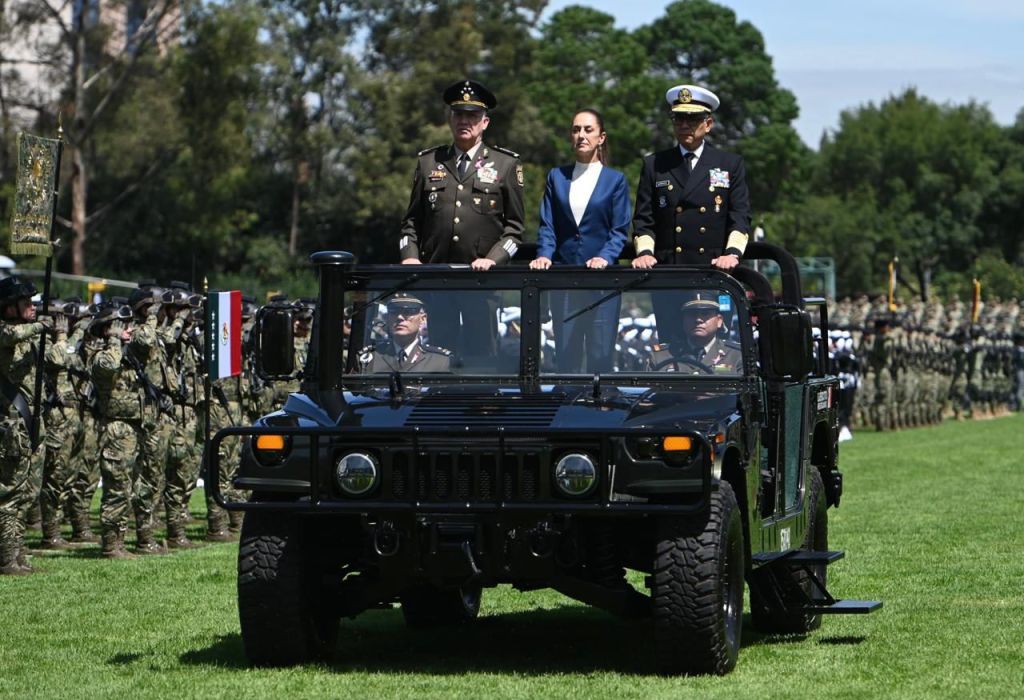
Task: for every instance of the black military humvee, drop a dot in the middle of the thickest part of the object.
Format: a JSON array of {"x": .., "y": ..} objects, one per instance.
[{"x": 527, "y": 461}]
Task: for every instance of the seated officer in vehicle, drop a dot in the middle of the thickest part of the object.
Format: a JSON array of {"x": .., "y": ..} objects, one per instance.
[
  {"x": 404, "y": 351},
  {"x": 704, "y": 351}
]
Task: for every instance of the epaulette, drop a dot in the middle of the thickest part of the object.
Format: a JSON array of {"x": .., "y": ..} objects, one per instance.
[
  {"x": 658, "y": 347},
  {"x": 436, "y": 349},
  {"x": 506, "y": 151},
  {"x": 425, "y": 151},
  {"x": 366, "y": 354}
]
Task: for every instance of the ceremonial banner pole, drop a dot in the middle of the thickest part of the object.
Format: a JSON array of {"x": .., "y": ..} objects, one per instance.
[{"x": 32, "y": 228}]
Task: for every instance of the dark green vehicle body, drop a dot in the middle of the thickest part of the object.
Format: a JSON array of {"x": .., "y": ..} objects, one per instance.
[{"x": 468, "y": 489}]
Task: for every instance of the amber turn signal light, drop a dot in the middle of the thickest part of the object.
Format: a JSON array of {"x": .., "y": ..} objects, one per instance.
[
  {"x": 270, "y": 442},
  {"x": 677, "y": 443}
]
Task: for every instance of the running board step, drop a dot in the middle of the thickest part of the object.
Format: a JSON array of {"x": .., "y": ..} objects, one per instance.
[
  {"x": 844, "y": 607},
  {"x": 798, "y": 557}
]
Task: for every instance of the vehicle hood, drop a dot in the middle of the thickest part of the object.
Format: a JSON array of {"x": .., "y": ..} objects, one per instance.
[{"x": 549, "y": 407}]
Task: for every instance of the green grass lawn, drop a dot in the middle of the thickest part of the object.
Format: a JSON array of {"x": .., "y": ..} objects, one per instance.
[{"x": 931, "y": 523}]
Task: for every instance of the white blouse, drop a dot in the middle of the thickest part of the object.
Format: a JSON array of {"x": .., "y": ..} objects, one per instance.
[{"x": 584, "y": 180}]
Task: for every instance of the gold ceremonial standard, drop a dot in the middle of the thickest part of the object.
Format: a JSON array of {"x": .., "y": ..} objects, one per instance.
[{"x": 34, "y": 196}]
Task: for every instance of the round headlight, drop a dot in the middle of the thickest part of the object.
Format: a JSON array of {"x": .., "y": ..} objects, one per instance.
[
  {"x": 356, "y": 473},
  {"x": 575, "y": 474}
]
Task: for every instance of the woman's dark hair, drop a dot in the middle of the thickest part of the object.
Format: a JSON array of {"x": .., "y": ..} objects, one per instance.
[{"x": 603, "y": 152}]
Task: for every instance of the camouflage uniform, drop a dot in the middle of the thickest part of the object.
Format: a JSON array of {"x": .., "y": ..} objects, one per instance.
[
  {"x": 85, "y": 463},
  {"x": 21, "y": 466},
  {"x": 121, "y": 406},
  {"x": 185, "y": 442},
  {"x": 63, "y": 435}
]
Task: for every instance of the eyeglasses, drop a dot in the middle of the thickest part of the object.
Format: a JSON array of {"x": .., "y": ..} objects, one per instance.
[
  {"x": 689, "y": 119},
  {"x": 404, "y": 310}
]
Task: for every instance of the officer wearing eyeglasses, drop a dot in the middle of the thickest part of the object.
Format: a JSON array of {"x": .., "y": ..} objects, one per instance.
[
  {"x": 692, "y": 203},
  {"x": 404, "y": 351}
]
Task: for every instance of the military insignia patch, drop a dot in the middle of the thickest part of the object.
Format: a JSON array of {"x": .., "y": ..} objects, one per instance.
[
  {"x": 685, "y": 95},
  {"x": 718, "y": 203},
  {"x": 476, "y": 200},
  {"x": 519, "y": 175},
  {"x": 719, "y": 177},
  {"x": 438, "y": 174},
  {"x": 432, "y": 197},
  {"x": 662, "y": 201}
]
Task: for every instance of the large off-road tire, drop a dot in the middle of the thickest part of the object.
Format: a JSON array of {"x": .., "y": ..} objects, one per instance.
[
  {"x": 285, "y": 615},
  {"x": 775, "y": 600},
  {"x": 697, "y": 589},
  {"x": 427, "y": 606}
]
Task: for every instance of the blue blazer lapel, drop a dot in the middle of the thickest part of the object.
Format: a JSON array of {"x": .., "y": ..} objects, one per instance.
[
  {"x": 562, "y": 192},
  {"x": 604, "y": 180}
]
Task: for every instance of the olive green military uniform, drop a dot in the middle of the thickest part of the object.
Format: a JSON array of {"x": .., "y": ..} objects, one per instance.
[
  {"x": 388, "y": 358},
  {"x": 21, "y": 466},
  {"x": 721, "y": 357},
  {"x": 457, "y": 219}
]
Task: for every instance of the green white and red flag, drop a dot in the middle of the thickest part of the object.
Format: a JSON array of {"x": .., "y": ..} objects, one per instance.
[{"x": 224, "y": 334}]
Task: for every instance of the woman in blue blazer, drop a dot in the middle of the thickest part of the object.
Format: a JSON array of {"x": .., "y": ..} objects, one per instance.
[{"x": 584, "y": 220}]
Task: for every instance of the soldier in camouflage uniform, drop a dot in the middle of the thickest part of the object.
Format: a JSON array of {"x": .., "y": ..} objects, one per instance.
[
  {"x": 85, "y": 462},
  {"x": 147, "y": 356},
  {"x": 21, "y": 464},
  {"x": 184, "y": 342},
  {"x": 880, "y": 359},
  {"x": 63, "y": 424},
  {"x": 120, "y": 399}
]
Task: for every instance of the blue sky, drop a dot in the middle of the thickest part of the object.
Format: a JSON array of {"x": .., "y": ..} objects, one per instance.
[{"x": 838, "y": 54}]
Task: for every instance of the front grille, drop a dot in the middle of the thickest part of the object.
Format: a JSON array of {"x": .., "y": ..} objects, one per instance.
[
  {"x": 518, "y": 411},
  {"x": 445, "y": 476}
]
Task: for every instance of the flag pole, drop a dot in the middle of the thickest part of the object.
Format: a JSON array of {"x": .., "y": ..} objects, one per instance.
[
  {"x": 209, "y": 336},
  {"x": 40, "y": 359}
]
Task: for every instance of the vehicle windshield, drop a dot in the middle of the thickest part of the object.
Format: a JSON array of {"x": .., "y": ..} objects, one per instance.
[
  {"x": 691, "y": 331},
  {"x": 459, "y": 331},
  {"x": 628, "y": 329}
]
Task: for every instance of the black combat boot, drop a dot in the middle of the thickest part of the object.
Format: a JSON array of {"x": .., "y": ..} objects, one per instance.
[
  {"x": 51, "y": 531},
  {"x": 81, "y": 531},
  {"x": 145, "y": 544},
  {"x": 10, "y": 548},
  {"x": 217, "y": 527},
  {"x": 113, "y": 545},
  {"x": 176, "y": 538}
]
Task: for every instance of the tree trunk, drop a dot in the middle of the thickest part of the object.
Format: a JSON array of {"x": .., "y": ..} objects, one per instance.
[{"x": 79, "y": 198}]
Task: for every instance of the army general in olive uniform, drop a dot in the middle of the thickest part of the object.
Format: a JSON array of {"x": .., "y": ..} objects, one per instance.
[
  {"x": 466, "y": 207},
  {"x": 404, "y": 351},
  {"x": 703, "y": 350}
]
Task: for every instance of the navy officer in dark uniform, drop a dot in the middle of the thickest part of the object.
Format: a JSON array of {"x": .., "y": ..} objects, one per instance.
[
  {"x": 404, "y": 351},
  {"x": 692, "y": 203},
  {"x": 702, "y": 350},
  {"x": 466, "y": 208}
]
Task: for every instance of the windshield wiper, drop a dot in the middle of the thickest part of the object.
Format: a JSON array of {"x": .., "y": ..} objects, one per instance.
[
  {"x": 610, "y": 295},
  {"x": 386, "y": 293}
]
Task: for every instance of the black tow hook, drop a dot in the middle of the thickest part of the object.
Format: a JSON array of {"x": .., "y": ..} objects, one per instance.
[
  {"x": 468, "y": 551},
  {"x": 386, "y": 539}
]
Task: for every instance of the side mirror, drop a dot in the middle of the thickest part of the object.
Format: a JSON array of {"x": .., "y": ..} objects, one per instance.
[
  {"x": 786, "y": 350},
  {"x": 275, "y": 353}
]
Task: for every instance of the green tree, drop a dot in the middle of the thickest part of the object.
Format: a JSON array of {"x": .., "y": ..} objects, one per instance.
[{"x": 930, "y": 171}]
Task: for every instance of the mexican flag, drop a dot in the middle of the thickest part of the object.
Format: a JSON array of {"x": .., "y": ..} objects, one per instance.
[{"x": 224, "y": 334}]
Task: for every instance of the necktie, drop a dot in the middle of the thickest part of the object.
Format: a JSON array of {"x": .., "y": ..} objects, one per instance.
[
  {"x": 688, "y": 160},
  {"x": 463, "y": 165}
]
